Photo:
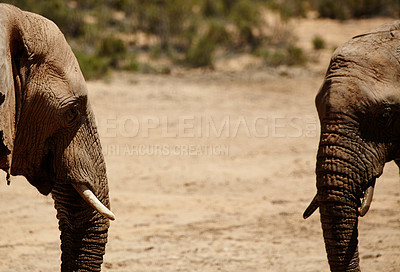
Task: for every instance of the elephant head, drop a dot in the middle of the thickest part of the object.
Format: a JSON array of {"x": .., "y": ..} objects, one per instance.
[
  {"x": 48, "y": 133},
  {"x": 359, "y": 111}
]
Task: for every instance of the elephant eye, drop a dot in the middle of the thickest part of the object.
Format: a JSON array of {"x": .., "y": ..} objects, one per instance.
[
  {"x": 387, "y": 112},
  {"x": 72, "y": 114},
  {"x": 387, "y": 116}
]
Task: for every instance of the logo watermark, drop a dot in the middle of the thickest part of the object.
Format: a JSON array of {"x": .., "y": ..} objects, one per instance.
[
  {"x": 166, "y": 150},
  {"x": 207, "y": 126},
  {"x": 218, "y": 132}
]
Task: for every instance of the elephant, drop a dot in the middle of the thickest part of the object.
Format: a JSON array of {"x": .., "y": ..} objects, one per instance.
[
  {"x": 48, "y": 133},
  {"x": 358, "y": 106}
]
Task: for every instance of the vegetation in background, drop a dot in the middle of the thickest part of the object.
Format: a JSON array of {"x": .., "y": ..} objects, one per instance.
[
  {"x": 318, "y": 43},
  {"x": 346, "y": 9},
  {"x": 290, "y": 55},
  {"x": 290, "y": 8},
  {"x": 104, "y": 34}
]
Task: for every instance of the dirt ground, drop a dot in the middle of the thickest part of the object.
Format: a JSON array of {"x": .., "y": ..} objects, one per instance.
[{"x": 210, "y": 171}]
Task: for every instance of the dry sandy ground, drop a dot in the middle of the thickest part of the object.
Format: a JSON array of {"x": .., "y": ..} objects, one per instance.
[{"x": 209, "y": 171}]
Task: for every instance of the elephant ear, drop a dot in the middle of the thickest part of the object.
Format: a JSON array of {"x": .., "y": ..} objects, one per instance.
[{"x": 10, "y": 90}]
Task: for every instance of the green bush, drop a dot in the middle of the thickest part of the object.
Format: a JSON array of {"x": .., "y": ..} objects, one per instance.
[
  {"x": 295, "y": 56},
  {"x": 318, "y": 43},
  {"x": 166, "y": 19},
  {"x": 155, "y": 51},
  {"x": 336, "y": 9},
  {"x": 113, "y": 50},
  {"x": 345, "y": 9},
  {"x": 131, "y": 64},
  {"x": 212, "y": 8},
  {"x": 246, "y": 16},
  {"x": 92, "y": 66},
  {"x": 289, "y": 8},
  {"x": 111, "y": 46},
  {"x": 218, "y": 34},
  {"x": 291, "y": 56},
  {"x": 275, "y": 59},
  {"x": 201, "y": 53},
  {"x": 332, "y": 9}
]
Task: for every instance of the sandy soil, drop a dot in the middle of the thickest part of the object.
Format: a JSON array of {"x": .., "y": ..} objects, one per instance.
[{"x": 209, "y": 171}]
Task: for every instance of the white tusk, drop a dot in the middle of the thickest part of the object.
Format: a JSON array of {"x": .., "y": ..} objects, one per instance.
[
  {"x": 366, "y": 203},
  {"x": 93, "y": 201},
  {"x": 311, "y": 208}
]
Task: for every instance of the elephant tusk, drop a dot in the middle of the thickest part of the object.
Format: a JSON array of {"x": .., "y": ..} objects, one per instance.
[
  {"x": 366, "y": 203},
  {"x": 311, "y": 208},
  {"x": 93, "y": 201}
]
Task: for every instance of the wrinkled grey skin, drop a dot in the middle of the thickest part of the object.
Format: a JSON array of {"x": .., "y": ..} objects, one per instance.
[
  {"x": 359, "y": 111},
  {"x": 48, "y": 132}
]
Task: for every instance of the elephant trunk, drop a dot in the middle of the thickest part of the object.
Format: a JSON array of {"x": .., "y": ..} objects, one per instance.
[
  {"x": 341, "y": 177},
  {"x": 83, "y": 228},
  {"x": 339, "y": 221},
  {"x": 83, "y": 231}
]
